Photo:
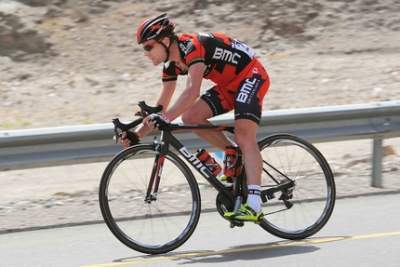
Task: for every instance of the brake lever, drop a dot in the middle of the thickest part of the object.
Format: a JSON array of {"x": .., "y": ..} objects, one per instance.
[
  {"x": 144, "y": 108},
  {"x": 120, "y": 127}
]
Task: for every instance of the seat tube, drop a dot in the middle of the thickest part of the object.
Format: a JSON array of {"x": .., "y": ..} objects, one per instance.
[{"x": 239, "y": 181}]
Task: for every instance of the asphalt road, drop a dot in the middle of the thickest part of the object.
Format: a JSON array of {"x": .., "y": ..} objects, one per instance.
[{"x": 363, "y": 231}]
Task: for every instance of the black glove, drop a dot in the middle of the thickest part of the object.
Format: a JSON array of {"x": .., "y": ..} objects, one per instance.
[
  {"x": 159, "y": 120},
  {"x": 131, "y": 136}
]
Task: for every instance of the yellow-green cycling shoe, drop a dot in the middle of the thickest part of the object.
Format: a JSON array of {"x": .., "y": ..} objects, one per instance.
[
  {"x": 245, "y": 213},
  {"x": 225, "y": 179}
]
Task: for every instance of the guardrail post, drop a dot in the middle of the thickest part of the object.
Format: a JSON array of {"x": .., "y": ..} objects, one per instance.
[{"x": 377, "y": 155}]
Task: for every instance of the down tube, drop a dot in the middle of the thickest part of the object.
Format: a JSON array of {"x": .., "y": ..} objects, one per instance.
[{"x": 198, "y": 165}]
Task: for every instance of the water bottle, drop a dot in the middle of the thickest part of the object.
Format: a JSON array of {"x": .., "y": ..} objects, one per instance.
[{"x": 209, "y": 161}]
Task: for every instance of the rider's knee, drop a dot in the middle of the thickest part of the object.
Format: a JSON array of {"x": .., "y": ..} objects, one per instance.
[
  {"x": 241, "y": 141},
  {"x": 189, "y": 118},
  {"x": 244, "y": 138}
]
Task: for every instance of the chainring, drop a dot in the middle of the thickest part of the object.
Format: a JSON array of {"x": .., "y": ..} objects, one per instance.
[{"x": 223, "y": 204}]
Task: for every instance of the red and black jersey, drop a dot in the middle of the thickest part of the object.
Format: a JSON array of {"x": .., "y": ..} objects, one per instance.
[{"x": 225, "y": 58}]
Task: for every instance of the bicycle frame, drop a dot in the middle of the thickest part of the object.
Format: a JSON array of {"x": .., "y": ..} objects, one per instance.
[{"x": 168, "y": 139}]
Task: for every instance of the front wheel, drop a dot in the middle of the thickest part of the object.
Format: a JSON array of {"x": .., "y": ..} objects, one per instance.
[
  {"x": 150, "y": 202},
  {"x": 298, "y": 188}
]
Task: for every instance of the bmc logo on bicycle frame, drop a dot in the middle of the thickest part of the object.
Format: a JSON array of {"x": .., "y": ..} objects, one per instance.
[{"x": 195, "y": 162}]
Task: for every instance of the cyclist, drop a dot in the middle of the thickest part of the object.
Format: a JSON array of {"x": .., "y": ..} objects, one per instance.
[{"x": 240, "y": 85}]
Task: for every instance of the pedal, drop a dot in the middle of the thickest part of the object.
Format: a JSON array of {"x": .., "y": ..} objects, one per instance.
[
  {"x": 236, "y": 223},
  {"x": 226, "y": 183},
  {"x": 288, "y": 204},
  {"x": 228, "y": 186}
]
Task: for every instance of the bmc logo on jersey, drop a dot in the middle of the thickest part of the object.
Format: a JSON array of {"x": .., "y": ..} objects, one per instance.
[{"x": 226, "y": 55}]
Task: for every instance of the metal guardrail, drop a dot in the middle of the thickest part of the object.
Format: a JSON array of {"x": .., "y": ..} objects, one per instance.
[{"x": 92, "y": 143}]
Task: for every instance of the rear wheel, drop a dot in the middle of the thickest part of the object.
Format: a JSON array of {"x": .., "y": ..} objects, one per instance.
[
  {"x": 149, "y": 216},
  {"x": 298, "y": 187}
]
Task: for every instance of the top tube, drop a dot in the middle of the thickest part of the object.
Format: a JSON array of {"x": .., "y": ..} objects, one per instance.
[{"x": 174, "y": 127}]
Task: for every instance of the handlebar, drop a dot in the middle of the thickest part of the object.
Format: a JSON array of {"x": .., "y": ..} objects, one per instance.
[
  {"x": 145, "y": 110},
  {"x": 160, "y": 123}
]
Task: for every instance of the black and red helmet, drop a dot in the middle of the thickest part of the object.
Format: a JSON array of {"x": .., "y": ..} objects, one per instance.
[{"x": 154, "y": 28}]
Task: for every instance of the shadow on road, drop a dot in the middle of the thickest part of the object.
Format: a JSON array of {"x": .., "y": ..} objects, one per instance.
[{"x": 246, "y": 252}]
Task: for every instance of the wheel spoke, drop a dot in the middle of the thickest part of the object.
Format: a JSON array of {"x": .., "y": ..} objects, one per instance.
[
  {"x": 290, "y": 158},
  {"x": 275, "y": 169},
  {"x": 165, "y": 222}
]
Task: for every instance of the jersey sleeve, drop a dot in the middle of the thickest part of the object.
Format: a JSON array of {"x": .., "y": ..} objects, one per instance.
[
  {"x": 169, "y": 72},
  {"x": 194, "y": 53}
]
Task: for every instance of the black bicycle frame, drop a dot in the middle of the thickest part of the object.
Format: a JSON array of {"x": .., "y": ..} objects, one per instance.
[
  {"x": 162, "y": 146},
  {"x": 167, "y": 139}
]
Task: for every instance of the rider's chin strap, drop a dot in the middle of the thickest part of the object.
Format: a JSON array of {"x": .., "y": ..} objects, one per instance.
[{"x": 172, "y": 39}]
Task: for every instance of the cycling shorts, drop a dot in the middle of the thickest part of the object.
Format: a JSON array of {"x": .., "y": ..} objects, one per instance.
[{"x": 245, "y": 94}]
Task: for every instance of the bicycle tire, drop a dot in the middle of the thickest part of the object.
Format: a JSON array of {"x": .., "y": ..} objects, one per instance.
[
  {"x": 282, "y": 227},
  {"x": 114, "y": 224}
]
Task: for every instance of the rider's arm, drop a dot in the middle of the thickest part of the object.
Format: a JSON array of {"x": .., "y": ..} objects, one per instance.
[
  {"x": 166, "y": 94},
  {"x": 165, "y": 97},
  {"x": 190, "y": 94}
]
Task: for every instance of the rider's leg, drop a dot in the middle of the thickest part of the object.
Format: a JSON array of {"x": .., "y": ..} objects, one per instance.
[
  {"x": 248, "y": 106},
  {"x": 245, "y": 137},
  {"x": 198, "y": 114}
]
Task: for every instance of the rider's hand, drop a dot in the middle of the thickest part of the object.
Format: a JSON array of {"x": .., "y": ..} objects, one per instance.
[
  {"x": 127, "y": 139},
  {"x": 147, "y": 121},
  {"x": 152, "y": 120}
]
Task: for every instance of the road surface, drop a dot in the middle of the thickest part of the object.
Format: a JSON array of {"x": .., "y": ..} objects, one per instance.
[{"x": 363, "y": 231}]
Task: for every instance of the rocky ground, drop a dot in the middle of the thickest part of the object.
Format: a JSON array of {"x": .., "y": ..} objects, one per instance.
[{"x": 76, "y": 62}]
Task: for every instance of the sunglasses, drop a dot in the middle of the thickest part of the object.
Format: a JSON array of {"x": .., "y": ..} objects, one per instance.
[{"x": 148, "y": 47}]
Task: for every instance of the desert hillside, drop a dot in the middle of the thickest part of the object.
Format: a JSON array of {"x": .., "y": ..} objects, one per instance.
[{"x": 66, "y": 62}]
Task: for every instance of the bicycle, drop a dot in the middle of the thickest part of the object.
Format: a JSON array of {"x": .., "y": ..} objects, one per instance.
[{"x": 150, "y": 199}]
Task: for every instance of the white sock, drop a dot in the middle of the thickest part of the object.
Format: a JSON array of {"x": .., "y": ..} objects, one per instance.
[{"x": 254, "y": 200}]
